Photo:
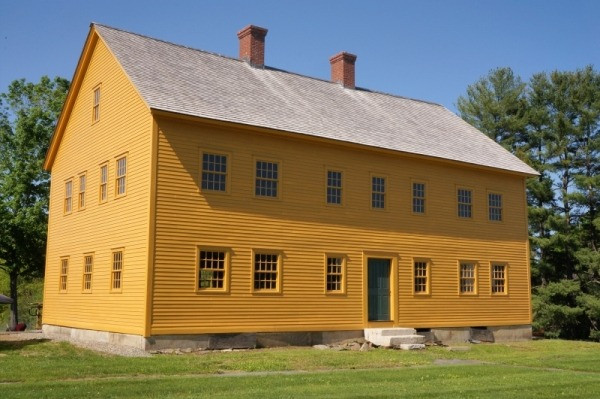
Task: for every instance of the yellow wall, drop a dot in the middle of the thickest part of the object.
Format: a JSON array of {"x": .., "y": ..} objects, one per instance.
[
  {"x": 304, "y": 228},
  {"x": 125, "y": 126}
]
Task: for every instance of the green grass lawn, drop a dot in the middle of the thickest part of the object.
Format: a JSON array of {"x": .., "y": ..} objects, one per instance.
[{"x": 536, "y": 369}]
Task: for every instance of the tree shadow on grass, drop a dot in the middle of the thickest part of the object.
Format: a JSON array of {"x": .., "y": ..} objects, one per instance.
[{"x": 9, "y": 346}]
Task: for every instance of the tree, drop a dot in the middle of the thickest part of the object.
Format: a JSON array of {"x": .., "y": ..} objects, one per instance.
[
  {"x": 28, "y": 115},
  {"x": 496, "y": 105},
  {"x": 553, "y": 123}
]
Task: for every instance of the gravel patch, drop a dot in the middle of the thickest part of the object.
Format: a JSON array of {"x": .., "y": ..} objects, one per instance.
[{"x": 103, "y": 347}]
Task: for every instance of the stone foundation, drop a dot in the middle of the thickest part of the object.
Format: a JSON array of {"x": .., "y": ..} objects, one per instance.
[
  {"x": 260, "y": 340},
  {"x": 483, "y": 334}
]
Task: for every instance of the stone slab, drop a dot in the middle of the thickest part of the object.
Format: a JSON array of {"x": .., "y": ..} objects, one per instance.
[
  {"x": 412, "y": 347},
  {"x": 407, "y": 340}
]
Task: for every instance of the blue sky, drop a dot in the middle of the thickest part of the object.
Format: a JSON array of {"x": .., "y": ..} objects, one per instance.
[{"x": 428, "y": 49}]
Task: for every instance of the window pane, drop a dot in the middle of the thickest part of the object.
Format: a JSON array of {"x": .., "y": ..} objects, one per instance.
[
  {"x": 418, "y": 197},
  {"x": 214, "y": 172},
  {"x": 495, "y": 206},
  {"x": 334, "y": 274},
  {"x": 498, "y": 279},
  {"x": 420, "y": 277},
  {"x": 467, "y": 277},
  {"x": 266, "y": 179},
  {"x": 117, "y": 269},
  {"x": 464, "y": 203},
  {"x": 211, "y": 270},
  {"x": 265, "y": 271},
  {"x": 334, "y": 187},
  {"x": 378, "y": 192}
]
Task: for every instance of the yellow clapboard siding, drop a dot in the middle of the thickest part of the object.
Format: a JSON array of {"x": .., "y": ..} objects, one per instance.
[
  {"x": 304, "y": 229},
  {"x": 125, "y": 127}
]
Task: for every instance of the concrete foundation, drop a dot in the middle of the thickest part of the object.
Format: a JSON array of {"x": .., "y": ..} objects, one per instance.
[
  {"x": 78, "y": 334},
  {"x": 258, "y": 340}
]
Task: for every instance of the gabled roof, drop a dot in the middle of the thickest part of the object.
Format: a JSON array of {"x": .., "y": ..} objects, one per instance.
[{"x": 186, "y": 81}]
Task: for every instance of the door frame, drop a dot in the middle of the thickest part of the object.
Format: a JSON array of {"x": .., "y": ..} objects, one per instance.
[{"x": 393, "y": 258}]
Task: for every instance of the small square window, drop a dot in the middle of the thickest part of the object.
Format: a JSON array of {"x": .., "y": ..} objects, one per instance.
[
  {"x": 465, "y": 201},
  {"x": 334, "y": 274},
  {"x": 214, "y": 172},
  {"x": 266, "y": 272},
  {"x": 418, "y": 197},
  {"x": 495, "y": 207},
  {"x": 334, "y": 187},
  {"x": 267, "y": 179},
  {"x": 378, "y": 192}
]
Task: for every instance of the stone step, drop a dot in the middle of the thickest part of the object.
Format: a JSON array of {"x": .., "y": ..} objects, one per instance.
[
  {"x": 411, "y": 347},
  {"x": 382, "y": 336},
  {"x": 406, "y": 339}
]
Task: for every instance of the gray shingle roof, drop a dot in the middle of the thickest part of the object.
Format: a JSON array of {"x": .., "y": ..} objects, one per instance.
[{"x": 179, "y": 79}]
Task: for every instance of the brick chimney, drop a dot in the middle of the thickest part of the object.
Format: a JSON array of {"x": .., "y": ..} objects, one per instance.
[
  {"x": 252, "y": 45},
  {"x": 342, "y": 69}
]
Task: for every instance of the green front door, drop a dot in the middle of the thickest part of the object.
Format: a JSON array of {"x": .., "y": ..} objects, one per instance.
[{"x": 379, "y": 289}]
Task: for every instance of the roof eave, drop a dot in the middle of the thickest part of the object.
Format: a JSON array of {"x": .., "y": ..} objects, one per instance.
[{"x": 172, "y": 114}]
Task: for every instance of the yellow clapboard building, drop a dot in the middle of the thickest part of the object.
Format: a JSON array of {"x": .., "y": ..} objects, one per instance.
[{"x": 195, "y": 196}]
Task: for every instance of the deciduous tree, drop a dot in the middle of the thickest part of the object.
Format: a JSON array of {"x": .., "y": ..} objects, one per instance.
[{"x": 28, "y": 115}]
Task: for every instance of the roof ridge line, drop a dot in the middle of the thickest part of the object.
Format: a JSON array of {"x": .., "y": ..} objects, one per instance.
[
  {"x": 166, "y": 42},
  {"x": 266, "y": 66}
]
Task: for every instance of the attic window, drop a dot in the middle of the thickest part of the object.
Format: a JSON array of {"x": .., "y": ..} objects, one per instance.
[{"x": 96, "y": 108}]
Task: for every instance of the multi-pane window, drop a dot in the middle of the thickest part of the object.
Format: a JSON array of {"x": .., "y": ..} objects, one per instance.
[
  {"x": 82, "y": 184},
  {"x": 103, "y": 183},
  {"x": 378, "y": 192},
  {"x": 64, "y": 270},
  {"x": 421, "y": 277},
  {"x": 335, "y": 274},
  {"x": 418, "y": 197},
  {"x": 121, "y": 176},
  {"x": 88, "y": 268},
  {"x": 117, "y": 271},
  {"x": 267, "y": 179},
  {"x": 468, "y": 278},
  {"x": 334, "y": 187},
  {"x": 495, "y": 206},
  {"x": 465, "y": 203},
  {"x": 498, "y": 278},
  {"x": 68, "y": 196},
  {"x": 96, "y": 109},
  {"x": 211, "y": 270},
  {"x": 266, "y": 270},
  {"x": 214, "y": 172}
]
